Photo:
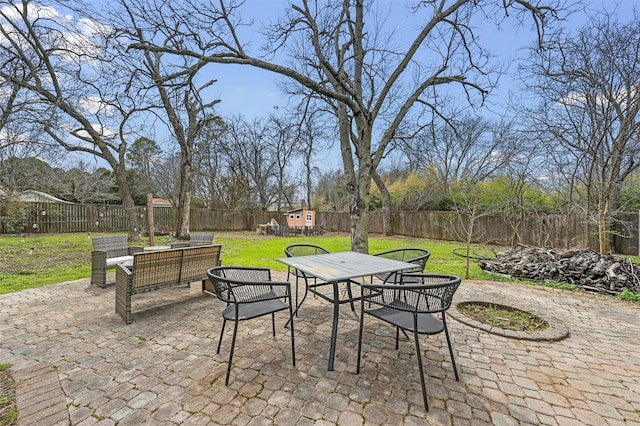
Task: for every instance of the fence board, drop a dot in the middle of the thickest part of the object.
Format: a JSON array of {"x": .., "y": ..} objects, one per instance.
[{"x": 554, "y": 230}]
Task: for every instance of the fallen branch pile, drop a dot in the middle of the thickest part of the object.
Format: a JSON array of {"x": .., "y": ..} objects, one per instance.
[{"x": 584, "y": 268}]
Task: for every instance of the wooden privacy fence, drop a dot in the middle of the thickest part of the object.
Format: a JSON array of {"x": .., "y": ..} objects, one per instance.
[
  {"x": 61, "y": 218},
  {"x": 549, "y": 230}
]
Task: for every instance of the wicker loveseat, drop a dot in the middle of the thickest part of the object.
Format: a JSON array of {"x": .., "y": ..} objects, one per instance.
[
  {"x": 107, "y": 253},
  {"x": 156, "y": 270},
  {"x": 196, "y": 239}
]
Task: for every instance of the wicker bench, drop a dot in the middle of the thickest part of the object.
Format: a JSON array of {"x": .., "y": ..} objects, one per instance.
[
  {"x": 107, "y": 253},
  {"x": 196, "y": 239},
  {"x": 156, "y": 270}
]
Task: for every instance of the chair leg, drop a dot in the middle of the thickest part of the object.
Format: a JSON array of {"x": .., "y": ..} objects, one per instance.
[
  {"x": 420, "y": 367},
  {"x": 224, "y": 322},
  {"x": 405, "y": 335},
  {"x": 350, "y": 294},
  {"x": 233, "y": 345},
  {"x": 273, "y": 324},
  {"x": 297, "y": 278},
  {"x": 360, "y": 335},
  {"x": 453, "y": 360},
  {"x": 398, "y": 336},
  {"x": 293, "y": 338},
  {"x": 304, "y": 297}
]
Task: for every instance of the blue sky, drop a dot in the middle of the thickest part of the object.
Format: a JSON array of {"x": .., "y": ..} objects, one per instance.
[{"x": 253, "y": 93}]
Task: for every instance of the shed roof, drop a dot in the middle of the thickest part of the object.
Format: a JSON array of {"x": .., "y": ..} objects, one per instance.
[{"x": 33, "y": 196}]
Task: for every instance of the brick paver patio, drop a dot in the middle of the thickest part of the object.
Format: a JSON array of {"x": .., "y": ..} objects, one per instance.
[{"x": 77, "y": 362}]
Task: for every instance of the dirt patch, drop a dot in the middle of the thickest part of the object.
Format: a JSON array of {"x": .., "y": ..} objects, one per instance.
[{"x": 502, "y": 316}]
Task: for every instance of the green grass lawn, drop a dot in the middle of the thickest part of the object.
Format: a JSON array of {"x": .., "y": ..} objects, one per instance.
[{"x": 38, "y": 260}]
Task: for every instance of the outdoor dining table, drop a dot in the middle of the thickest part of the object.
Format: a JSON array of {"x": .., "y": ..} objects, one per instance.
[{"x": 335, "y": 268}]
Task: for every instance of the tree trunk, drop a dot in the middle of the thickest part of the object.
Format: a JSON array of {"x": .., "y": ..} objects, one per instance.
[
  {"x": 133, "y": 224},
  {"x": 358, "y": 195},
  {"x": 358, "y": 183},
  {"x": 309, "y": 182},
  {"x": 472, "y": 221},
  {"x": 184, "y": 198},
  {"x": 604, "y": 227},
  {"x": 386, "y": 203}
]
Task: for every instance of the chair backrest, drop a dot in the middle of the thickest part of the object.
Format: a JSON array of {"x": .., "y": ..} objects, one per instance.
[
  {"x": 196, "y": 261},
  {"x": 201, "y": 239},
  {"x": 115, "y": 245},
  {"x": 410, "y": 255},
  {"x": 156, "y": 269},
  {"x": 225, "y": 278},
  {"x": 420, "y": 293},
  {"x": 303, "y": 250}
]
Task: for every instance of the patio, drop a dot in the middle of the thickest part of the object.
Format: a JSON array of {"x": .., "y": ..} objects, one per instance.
[{"x": 76, "y": 361}]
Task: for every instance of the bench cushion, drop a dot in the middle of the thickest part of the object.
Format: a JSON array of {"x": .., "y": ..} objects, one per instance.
[{"x": 118, "y": 260}]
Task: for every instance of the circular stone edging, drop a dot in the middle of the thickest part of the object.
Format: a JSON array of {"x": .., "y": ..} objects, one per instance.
[{"x": 555, "y": 332}]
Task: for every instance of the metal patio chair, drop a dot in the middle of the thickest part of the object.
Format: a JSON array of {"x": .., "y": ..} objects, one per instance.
[
  {"x": 196, "y": 239},
  {"x": 410, "y": 306},
  {"x": 411, "y": 255},
  {"x": 249, "y": 293},
  {"x": 311, "y": 283}
]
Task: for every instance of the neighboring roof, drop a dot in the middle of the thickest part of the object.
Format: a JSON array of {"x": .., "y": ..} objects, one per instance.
[
  {"x": 161, "y": 202},
  {"x": 32, "y": 196},
  {"x": 299, "y": 210}
]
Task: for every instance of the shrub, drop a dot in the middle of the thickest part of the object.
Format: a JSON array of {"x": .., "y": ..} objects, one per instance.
[{"x": 14, "y": 215}]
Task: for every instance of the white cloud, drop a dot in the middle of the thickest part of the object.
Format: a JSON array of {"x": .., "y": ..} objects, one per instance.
[
  {"x": 94, "y": 105},
  {"x": 71, "y": 37},
  {"x": 621, "y": 96}
]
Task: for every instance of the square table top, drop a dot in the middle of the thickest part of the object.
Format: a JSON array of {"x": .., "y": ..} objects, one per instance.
[{"x": 344, "y": 265}]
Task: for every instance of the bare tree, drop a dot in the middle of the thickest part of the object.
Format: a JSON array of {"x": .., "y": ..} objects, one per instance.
[
  {"x": 210, "y": 181},
  {"x": 79, "y": 97},
  {"x": 462, "y": 160},
  {"x": 283, "y": 142},
  {"x": 329, "y": 191},
  {"x": 20, "y": 139},
  {"x": 315, "y": 128},
  {"x": 590, "y": 110},
  {"x": 471, "y": 149},
  {"x": 166, "y": 176},
  {"x": 179, "y": 93},
  {"x": 313, "y": 134},
  {"x": 365, "y": 72},
  {"x": 245, "y": 164},
  {"x": 80, "y": 184},
  {"x": 250, "y": 162}
]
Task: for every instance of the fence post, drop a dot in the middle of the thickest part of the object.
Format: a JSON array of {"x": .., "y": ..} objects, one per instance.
[{"x": 150, "y": 224}]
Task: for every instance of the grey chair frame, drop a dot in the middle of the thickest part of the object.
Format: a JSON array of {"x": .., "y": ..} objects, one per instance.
[
  {"x": 196, "y": 239},
  {"x": 410, "y": 306},
  {"x": 311, "y": 283},
  {"x": 302, "y": 250},
  {"x": 105, "y": 248},
  {"x": 418, "y": 256},
  {"x": 249, "y": 293}
]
